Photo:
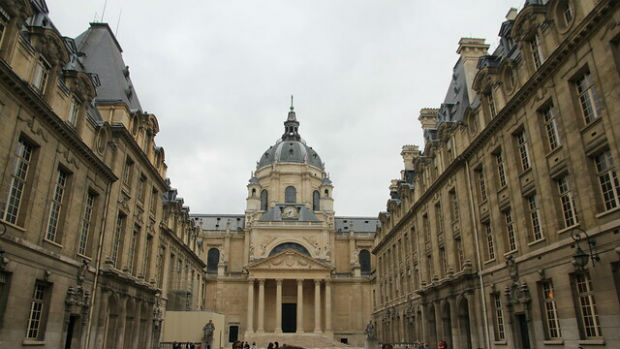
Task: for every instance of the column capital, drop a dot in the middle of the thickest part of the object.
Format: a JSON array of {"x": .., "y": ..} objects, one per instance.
[
  {"x": 261, "y": 281},
  {"x": 328, "y": 282},
  {"x": 279, "y": 281},
  {"x": 251, "y": 280},
  {"x": 299, "y": 281},
  {"x": 317, "y": 281}
]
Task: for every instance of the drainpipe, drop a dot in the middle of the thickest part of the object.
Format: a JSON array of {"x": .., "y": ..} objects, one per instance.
[
  {"x": 93, "y": 292},
  {"x": 473, "y": 220}
]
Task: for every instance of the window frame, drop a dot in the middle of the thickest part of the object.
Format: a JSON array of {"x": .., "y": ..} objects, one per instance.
[
  {"x": 43, "y": 312},
  {"x": 87, "y": 218},
  {"x": 588, "y": 98},
  {"x": 567, "y": 201},
  {"x": 548, "y": 307},
  {"x": 548, "y": 113},
  {"x": 587, "y": 296},
  {"x": 610, "y": 190},
  {"x": 24, "y": 182},
  {"x": 58, "y": 205}
]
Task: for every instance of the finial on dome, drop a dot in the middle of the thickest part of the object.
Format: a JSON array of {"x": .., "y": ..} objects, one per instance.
[{"x": 291, "y": 125}]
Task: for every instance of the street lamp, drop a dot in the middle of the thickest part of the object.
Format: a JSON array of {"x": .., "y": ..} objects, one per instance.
[{"x": 581, "y": 258}]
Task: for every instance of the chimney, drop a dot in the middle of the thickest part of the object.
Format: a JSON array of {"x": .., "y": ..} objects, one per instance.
[
  {"x": 428, "y": 118},
  {"x": 512, "y": 14},
  {"x": 408, "y": 153},
  {"x": 470, "y": 50}
]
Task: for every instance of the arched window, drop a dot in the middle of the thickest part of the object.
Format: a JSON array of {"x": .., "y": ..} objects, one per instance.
[
  {"x": 213, "y": 259},
  {"x": 263, "y": 200},
  {"x": 316, "y": 203},
  {"x": 290, "y": 195},
  {"x": 365, "y": 261},
  {"x": 289, "y": 246}
]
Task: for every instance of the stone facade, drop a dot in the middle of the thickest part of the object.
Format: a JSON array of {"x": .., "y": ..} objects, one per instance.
[
  {"x": 94, "y": 243},
  {"x": 288, "y": 270},
  {"x": 518, "y": 176}
]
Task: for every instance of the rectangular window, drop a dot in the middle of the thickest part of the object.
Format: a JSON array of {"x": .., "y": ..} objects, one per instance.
[
  {"x": 142, "y": 188},
  {"x": 131, "y": 258},
  {"x": 536, "y": 50},
  {"x": 38, "y": 311},
  {"x": 510, "y": 231},
  {"x": 73, "y": 112},
  {"x": 153, "y": 202},
  {"x": 588, "y": 315},
  {"x": 147, "y": 256},
  {"x": 460, "y": 257},
  {"x": 439, "y": 218},
  {"x": 128, "y": 172},
  {"x": 427, "y": 228},
  {"x": 567, "y": 201},
  {"x": 429, "y": 268},
  {"x": 482, "y": 188},
  {"x": 534, "y": 212},
  {"x": 588, "y": 97},
  {"x": 608, "y": 180},
  {"x": 117, "y": 242},
  {"x": 550, "y": 311},
  {"x": 86, "y": 222},
  {"x": 171, "y": 273},
  {"x": 17, "y": 182},
  {"x": 443, "y": 260},
  {"x": 499, "y": 318},
  {"x": 486, "y": 228},
  {"x": 524, "y": 153},
  {"x": 56, "y": 206},
  {"x": 551, "y": 126},
  {"x": 161, "y": 254},
  {"x": 454, "y": 206},
  {"x": 491, "y": 101},
  {"x": 39, "y": 77},
  {"x": 501, "y": 171}
]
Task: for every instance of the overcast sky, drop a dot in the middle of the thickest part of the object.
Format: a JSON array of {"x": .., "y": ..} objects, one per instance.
[{"x": 218, "y": 76}]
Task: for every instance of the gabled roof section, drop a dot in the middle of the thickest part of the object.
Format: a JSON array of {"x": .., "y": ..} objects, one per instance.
[{"x": 103, "y": 56}]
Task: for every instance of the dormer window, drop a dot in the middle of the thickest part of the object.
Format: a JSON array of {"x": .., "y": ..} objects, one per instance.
[
  {"x": 491, "y": 102},
  {"x": 39, "y": 77},
  {"x": 74, "y": 110},
  {"x": 536, "y": 51}
]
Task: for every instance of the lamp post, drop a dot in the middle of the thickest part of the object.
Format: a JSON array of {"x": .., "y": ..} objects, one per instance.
[{"x": 581, "y": 258}]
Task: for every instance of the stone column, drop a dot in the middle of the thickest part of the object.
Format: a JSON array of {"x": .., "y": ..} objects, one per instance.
[
  {"x": 250, "y": 324},
  {"x": 278, "y": 306},
  {"x": 261, "y": 306},
  {"x": 328, "y": 306},
  {"x": 317, "y": 306},
  {"x": 300, "y": 306}
]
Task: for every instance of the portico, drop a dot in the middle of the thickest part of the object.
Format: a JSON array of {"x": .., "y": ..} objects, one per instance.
[{"x": 294, "y": 283}]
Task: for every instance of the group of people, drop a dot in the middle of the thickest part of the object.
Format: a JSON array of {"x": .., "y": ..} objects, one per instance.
[
  {"x": 243, "y": 345},
  {"x": 441, "y": 345},
  {"x": 188, "y": 345},
  {"x": 274, "y": 345}
]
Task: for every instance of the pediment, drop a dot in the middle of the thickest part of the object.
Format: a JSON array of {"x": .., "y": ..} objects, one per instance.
[{"x": 289, "y": 260}]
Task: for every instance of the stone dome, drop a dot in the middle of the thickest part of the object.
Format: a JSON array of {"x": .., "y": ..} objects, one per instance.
[
  {"x": 290, "y": 147},
  {"x": 290, "y": 151}
]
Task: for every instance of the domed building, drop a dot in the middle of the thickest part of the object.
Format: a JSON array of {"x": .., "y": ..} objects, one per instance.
[{"x": 288, "y": 269}]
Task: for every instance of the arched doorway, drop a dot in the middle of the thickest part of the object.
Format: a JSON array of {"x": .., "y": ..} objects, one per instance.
[
  {"x": 464, "y": 327},
  {"x": 432, "y": 326},
  {"x": 447, "y": 324},
  {"x": 112, "y": 323}
]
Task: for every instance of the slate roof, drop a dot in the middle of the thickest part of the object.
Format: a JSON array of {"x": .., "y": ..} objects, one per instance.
[{"x": 103, "y": 56}]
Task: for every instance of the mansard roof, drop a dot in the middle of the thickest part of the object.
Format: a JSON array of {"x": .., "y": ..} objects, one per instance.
[{"x": 103, "y": 56}]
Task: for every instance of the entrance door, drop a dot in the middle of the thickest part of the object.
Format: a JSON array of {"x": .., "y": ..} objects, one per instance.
[
  {"x": 525, "y": 335},
  {"x": 70, "y": 328},
  {"x": 289, "y": 317}
]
